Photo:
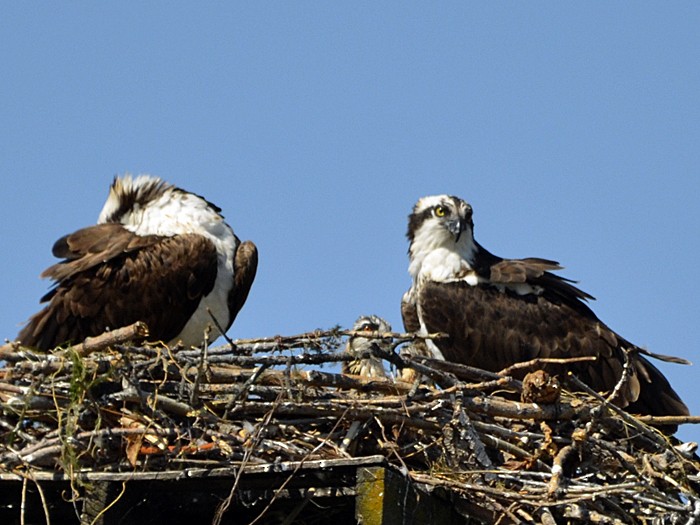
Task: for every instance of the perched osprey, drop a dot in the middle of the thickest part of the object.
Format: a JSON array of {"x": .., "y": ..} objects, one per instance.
[
  {"x": 157, "y": 254},
  {"x": 501, "y": 311},
  {"x": 370, "y": 367}
]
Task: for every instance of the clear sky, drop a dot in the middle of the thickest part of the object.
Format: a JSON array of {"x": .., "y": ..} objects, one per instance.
[{"x": 572, "y": 128}]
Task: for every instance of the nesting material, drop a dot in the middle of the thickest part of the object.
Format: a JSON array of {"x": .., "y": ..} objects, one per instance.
[{"x": 114, "y": 407}]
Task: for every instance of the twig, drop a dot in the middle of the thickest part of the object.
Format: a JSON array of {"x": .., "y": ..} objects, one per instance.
[
  {"x": 135, "y": 332},
  {"x": 630, "y": 420},
  {"x": 291, "y": 476},
  {"x": 668, "y": 420},
  {"x": 224, "y": 505},
  {"x": 539, "y": 361}
]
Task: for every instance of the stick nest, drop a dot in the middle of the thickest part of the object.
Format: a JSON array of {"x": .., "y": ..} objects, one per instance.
[{"x": 459, "y": 430}]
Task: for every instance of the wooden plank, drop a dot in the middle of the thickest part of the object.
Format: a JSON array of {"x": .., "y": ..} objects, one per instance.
[
  {"x": 192, "y": 495},
  {"x": 198, "y": 472},
  {"x": 386, "y": 497}
]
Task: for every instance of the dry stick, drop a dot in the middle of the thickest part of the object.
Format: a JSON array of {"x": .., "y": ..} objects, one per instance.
[
  {"x": 492, "y": 429},
  {"x": 200, "y": 369},
  {"x": 627, "y": 418},
  {"x": 134, "y": 332},
  {"x": 468, "y": 372},
  {"x": 15, "y": 429},
  {"x": 301, "y": 463},
  {"x": 316, "y": 339},
  {"x": 516, "y": 410},
  {"x": 350, "y": 435},
  {"x": 269, "y": 360},
  {"x": 621, "y": 383},
  {"x": 391, "y": 416},
  {"x": 28, "y": 476},
  {"x": 441, "y": 378},
  {"x": 23, "y": 503},
  {"x": 579, "y": 436},
  {"x": 533, "y": 497},
  {"x": 558, "y": 468},
  {"x": 506, "y": 446},
  {"x": 224, "y": 505},
  {"x": 220, "y": 329},
  {"x": 40, "y": 450},
  {"x": 668, "y": 420},
  {"x": 309, "y": 378},
  {"x": 244, "y": 389},
  {"x": 532, "y": 363},
  {"x": 321, "y": 334}
]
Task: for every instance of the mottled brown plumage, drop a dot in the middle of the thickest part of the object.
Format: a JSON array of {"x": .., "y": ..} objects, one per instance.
[
  {"x": 498, "y": 312},
  {"x": 159, "y": 255},
  {"x": 366, "y": 364},
  {"x": 245, "y": 267},
  {"x": 98, "y": 287}
]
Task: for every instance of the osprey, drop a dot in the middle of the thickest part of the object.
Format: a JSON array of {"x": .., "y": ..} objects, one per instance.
[
  {"x": 371, "y": 366},
  {"x": 498, "y": 312},
  {"x": 157, "y": 254}
]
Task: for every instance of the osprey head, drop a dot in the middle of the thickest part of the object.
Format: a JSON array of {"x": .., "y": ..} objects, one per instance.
[
  {"x": 148, "y": 205},
  {"x": 129, "y": 195},
  {"x": 441, "y": 236},
  {"x": 358, "y": 346},
  {"x": 443, "y": 215},
  {"x": 371, "y": 323}
]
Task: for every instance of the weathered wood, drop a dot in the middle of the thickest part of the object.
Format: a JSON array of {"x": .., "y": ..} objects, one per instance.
[
  {"x": 385, "y": 497},
  {"x": 192, "y": 495}
]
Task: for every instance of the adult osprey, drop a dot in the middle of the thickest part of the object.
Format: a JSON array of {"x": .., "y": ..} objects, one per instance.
[
  {"x": 371, "y": 366},
  {"x": 501, "y": 311},
  {"x": 157, "y": 254}
]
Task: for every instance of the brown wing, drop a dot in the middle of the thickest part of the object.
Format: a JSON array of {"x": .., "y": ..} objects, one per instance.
[
  {"x": 245, "y": 266},
  {"x": 537, "y": 272},
  {"x": 409, "y": 314},
  {"x": 492, "y": 330},
  {"x": 112, "y": 277},
  {"x": 93, "y": 245}
]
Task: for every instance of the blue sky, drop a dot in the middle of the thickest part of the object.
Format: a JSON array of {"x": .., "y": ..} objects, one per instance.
[{"x": 573, "y": 129}]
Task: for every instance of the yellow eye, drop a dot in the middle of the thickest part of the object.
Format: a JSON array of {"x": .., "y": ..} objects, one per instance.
[{"x": 439, "y": 211}]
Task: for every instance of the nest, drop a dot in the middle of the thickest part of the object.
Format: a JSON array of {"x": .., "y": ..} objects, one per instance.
[{"x": 503, "y": 449}]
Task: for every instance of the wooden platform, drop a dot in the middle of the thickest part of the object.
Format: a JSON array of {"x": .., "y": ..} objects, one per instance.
[{"x": 363, "y": 490}]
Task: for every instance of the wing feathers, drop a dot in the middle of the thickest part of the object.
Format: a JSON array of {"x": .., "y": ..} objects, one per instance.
[
  {"x": 94, "y": 245},
  {"x": 493, "y": 330},
  {"x": 109, "y": 282},
  {"x": 245, "y": 267},
  {"x": 537, "y": 273}
]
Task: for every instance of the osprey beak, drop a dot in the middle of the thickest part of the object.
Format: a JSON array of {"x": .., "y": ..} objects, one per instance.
[{"x": 456, "y": 227}]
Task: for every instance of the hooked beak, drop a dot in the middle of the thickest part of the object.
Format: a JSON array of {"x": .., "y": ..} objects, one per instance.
[{"x": 456, "y": 227}]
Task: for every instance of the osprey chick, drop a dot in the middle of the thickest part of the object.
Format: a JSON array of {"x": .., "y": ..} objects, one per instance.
[
  {"x": 157, "y": 254},
  {"x": 370, "y": 367},
  {"x": 498, "y": 312}
]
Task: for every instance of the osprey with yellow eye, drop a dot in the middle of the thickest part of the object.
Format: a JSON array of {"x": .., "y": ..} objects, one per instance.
[{"x": 498, "y": 312}]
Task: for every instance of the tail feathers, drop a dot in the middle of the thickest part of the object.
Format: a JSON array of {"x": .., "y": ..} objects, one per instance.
[
  {"x": 44, "y": 331},
  {"x": 656, "y": 396}
]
